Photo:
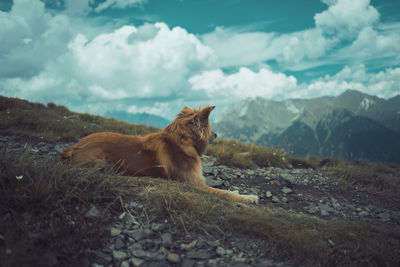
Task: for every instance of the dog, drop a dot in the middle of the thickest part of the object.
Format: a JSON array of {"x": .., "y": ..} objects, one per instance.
[{"x": 173, "y": 153}]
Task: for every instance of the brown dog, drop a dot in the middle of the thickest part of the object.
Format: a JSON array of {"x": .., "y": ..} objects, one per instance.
[{"x": 173, "y": 153}]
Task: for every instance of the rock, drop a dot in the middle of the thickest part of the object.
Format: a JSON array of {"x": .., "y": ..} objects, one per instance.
[
  {"x": 115, "y": 231},
  {"x": 275, "y": 199},
  {"x": 287, "y": 190},
  {"x": 136, "y": 261},
  {"x": 59, "y": 148},
  {"x": 71, "y": 117},
  {"x": 103, "y": 256},
  {"x": 136, "y": 234},
  {"x": 363, "y": 213},
  {"x": 384, "y": 216},
  {"x": 200, "y": 254},
  {"x": 288, "y": 177},
  {"x": 125, "y": 264},
  {"x": 188, "y": 263},
  {"x": 119, "y": 255},
  {"x": 268, "y": 194},
  {"x": 127, "y": 218},
  {"x": 211, "y": 263},
  {"x": 92, "y": 212},
  {"x": 166, "y": 240},
  {"x": 213, "y": 182},
  {"x": 173, "y": 258},
  {"x": 157, "y": 227},
  {"x": 220, "y": 251},
  {"x": 284, "y": 200},
  {"x": 118, "y": 244}
]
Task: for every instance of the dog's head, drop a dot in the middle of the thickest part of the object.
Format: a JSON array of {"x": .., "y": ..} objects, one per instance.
[{"x": 193, "y": 125}]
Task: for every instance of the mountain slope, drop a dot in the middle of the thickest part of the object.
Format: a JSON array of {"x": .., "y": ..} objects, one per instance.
[
  {"x": 353, "y": 126},
  {"x": 139, "y": 118}
]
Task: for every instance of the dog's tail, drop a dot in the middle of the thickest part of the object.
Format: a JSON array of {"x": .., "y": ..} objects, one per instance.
[{"x": 66, "y": 155}]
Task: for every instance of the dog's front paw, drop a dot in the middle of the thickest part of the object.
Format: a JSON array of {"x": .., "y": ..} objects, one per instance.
[{"x": 252, "y": 199}]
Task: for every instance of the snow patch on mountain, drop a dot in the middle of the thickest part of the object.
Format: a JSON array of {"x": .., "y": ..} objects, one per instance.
[{"x": 366, "y": 104}]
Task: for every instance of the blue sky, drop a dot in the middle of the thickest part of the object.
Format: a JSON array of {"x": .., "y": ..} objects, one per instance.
[{"x": 157, "y": 56}]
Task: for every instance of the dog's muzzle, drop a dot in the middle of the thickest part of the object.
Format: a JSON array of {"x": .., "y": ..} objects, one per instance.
[{"x": 212, "y": 137}]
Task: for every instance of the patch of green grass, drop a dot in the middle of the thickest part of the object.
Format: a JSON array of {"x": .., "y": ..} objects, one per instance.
[
  {"x": 56, "y": 123},
  {"x": 43, "y": 205},
  {"x": 238, "y": 154}
]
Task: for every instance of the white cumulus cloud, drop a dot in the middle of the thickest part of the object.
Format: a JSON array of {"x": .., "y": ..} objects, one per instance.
[
  {"x": 383, "y": 84},
  {"x": 245, "y": 83},
  {"x": 346, "y": 18}
]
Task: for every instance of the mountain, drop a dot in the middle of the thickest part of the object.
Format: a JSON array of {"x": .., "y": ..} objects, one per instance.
[
  {"x": 139, "y": 118},
  {"x": 353, "y": 125}
]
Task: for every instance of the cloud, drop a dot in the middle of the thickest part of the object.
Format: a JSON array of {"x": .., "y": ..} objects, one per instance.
[
  {"x": 371, "y": 44},
  {"x": 383, "y": 84},
  {"x": 346, "y": 18},
  {"x": 236, "y": 48},
  {"x": 128, "y": 64},
  {"x": 347, "y": 31},
  {"x": 245, "y": 83},
  {"x": 30, "y": 37},
  {"x": 118, "y": 4}
]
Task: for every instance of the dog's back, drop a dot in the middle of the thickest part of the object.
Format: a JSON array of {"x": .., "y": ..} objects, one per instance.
[{"x": 128, "y": 154}]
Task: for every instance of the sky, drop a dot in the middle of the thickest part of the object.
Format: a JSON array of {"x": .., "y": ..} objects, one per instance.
[{"x": 157, "y": 56}]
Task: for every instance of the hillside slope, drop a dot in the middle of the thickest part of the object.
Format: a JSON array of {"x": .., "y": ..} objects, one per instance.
[
  {"x": 352, "y": 126},
  {"x": 328, "y": 212}
]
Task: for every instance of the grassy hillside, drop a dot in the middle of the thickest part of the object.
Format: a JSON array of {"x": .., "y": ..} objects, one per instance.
[
  {"x": 43, "y": 203},
  {"x": 56, "y": 123}
]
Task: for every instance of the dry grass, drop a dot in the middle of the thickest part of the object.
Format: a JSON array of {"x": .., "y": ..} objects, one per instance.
[
  {"x": 374, "y": 176},
  {"x": 56, "y": 123},
  {"x": 241, "y": 155},
  {"x": 43, "y": 214}
]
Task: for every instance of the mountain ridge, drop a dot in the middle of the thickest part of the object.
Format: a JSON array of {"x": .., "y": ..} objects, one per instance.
[{"x": 306, "y": 127}]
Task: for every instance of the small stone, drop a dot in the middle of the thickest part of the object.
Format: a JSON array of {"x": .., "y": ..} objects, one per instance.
[
  {"x": 201, "y": 254},
  {"x": 211, "y": 263},
  {"x": 119, "y": 244},
  {"x": 125, "y": 264},
  {"x": 188, "y": 246},
  {"x": 284, "y": 200},
  {"x": 136, "y": 261},
  {"x": 115, "y": 231},
  {"x": 228, "y": 251},
  {"x": 288, "y": 177},
  {"x": 268, "y": 194},
  {"x": 92, "y": 212},
  {"x": 136, "y": 234},
  {"x": 119, "y": 255},
  {"x": 166, "y": 240},
  {"x": 363, "y": 213},
  {"x": 275, "y": 199},
  {"x": 157, "y": 227},
  {"x": 188, "y": 263},
  {"x": 173, "y": 258},
  {"x": 220, "y": 251},
  {"x": 287, "y": 190}
]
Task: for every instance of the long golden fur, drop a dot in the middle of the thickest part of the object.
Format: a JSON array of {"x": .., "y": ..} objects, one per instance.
[{"x": 173, "y": 153}]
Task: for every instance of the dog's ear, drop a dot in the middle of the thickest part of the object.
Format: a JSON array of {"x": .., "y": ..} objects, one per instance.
[{"x": 205, "y": 112}]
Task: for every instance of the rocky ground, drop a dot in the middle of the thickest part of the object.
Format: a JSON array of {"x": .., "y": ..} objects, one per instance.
[{"x": 140, "y": 239}]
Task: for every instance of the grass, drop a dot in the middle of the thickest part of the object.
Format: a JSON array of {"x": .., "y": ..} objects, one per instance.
[
  {"x": 56, "y": 123},
  {"x": 43, "y": 203},
  {"x": 44, "y": 217},
  {"x": 237, "y": 154}
]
